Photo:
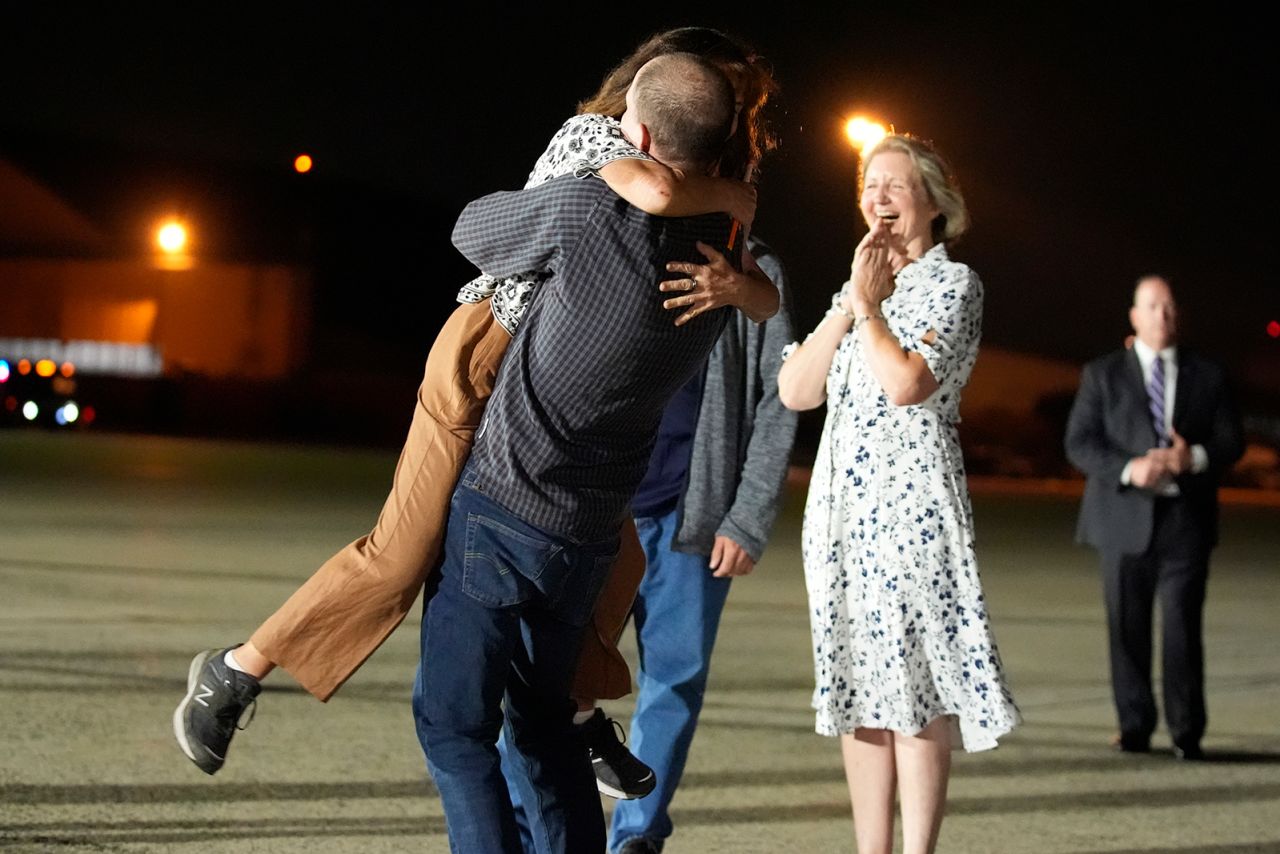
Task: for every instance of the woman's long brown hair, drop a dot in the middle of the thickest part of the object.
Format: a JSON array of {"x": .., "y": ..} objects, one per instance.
[{"x": 752, "y": 139}]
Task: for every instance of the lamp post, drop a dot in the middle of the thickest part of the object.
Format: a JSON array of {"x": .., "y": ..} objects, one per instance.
[{"x": 172, "y": 240}]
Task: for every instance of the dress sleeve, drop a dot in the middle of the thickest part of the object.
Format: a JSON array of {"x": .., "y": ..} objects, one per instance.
[
  {"x": 953, "y": 312},
  {"x": 582, "y": 146}
]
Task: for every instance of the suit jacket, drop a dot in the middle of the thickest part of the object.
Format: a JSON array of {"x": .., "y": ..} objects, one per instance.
[{"x": 1110, "y": 424}]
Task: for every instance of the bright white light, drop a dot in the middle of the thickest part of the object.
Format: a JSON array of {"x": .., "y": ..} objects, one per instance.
[
  {"x": 67, "y": 414},
  {"x": 172, "y": 237},
  {"x": 4, "y": 371},
  {"x": 30, "y": 410},
  {"x": 864, "y": 133}
]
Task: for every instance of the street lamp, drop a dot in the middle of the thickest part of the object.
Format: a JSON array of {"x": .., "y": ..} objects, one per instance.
[
  {"x": 172, "y": 238},
  {"x": 863, "y": 133}
]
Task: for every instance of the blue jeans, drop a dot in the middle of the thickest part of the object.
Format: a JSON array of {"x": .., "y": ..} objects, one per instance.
[
  {"x": 676, "y": 615},
  {"x": 500, "y": 640}
]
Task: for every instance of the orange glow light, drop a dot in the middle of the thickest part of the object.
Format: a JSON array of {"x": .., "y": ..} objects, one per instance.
[
  {"x": 302, "y": 163},
  {"x": 172, "y": 237},
  {"x": 46, "y": 367},
  {"x": 863, "y": 133},
  {"x": 24, "y": 366},
  {"x": 68, "y": 370}
]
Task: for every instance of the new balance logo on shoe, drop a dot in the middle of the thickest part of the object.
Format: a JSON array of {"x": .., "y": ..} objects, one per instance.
[{"x": 210, "y": 713}]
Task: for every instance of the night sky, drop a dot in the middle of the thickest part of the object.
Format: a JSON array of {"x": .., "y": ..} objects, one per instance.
[{"x": 1092, "y": 146}]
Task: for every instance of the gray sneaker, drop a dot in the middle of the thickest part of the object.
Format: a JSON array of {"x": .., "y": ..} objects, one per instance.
[
  {"x": 640, "y": 845},
  {"x": 209, "y": 715}
]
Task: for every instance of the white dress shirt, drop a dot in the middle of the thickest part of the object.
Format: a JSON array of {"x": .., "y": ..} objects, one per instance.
[{"x": 1199, "y": 456}]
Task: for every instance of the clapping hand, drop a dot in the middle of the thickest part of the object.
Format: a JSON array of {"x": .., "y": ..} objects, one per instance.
[{"x": 871, "y": 275}]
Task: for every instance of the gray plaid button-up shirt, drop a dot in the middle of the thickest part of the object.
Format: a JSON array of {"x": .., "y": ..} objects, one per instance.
[{"x": 567, "y": 434}]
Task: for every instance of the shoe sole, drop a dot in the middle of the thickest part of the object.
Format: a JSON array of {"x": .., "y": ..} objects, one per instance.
[
  {"x": 618, "y": 794},
  {"x": 179, "y": 723}
]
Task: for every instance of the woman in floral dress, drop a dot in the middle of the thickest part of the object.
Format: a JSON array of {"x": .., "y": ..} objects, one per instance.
[{"x": 906, "y": 666}]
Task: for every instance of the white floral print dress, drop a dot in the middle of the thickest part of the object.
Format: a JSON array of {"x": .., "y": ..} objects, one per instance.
[{"x": 900, "y": 626}]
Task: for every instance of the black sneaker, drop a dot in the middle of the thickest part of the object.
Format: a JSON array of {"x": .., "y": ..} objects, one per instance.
[
  {"x": 209, "y": 715},
  {"x": 618, "y": 773}
]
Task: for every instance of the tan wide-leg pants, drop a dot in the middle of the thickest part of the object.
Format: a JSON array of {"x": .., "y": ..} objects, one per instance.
[{"x": 339, "y": 616}]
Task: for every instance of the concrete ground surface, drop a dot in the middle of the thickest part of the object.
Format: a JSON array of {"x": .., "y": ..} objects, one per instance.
[{"x": 120, "y": 557}]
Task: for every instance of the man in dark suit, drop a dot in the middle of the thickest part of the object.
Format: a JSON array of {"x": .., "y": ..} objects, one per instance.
[{"x": 1153, "y": 428}]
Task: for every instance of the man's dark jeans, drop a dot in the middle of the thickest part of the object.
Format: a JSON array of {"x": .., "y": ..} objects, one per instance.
[{"x": 501, "y": 634}]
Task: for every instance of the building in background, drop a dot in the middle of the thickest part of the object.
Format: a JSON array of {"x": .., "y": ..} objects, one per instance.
[{"x": 126, "y": 320}]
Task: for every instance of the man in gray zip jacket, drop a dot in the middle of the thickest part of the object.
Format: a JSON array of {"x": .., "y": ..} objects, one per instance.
[{"x": 703, "y": 513}]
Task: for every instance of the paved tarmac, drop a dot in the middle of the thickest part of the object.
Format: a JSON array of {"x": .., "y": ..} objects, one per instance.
[{"x": 120, "y": 557}]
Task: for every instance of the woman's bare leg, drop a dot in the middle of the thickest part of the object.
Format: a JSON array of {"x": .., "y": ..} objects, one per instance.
[
  {"x": 924, "y": 766},
  {"x": 252, "y": 661},
  {"x": 869, "y": 770}
]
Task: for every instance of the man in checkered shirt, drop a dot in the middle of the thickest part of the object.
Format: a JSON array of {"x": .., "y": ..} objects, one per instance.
[{"x": 565, "y": 440}]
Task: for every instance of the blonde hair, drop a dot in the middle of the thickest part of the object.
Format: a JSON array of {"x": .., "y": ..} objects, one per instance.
[{"x": 953, "y": 217}]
